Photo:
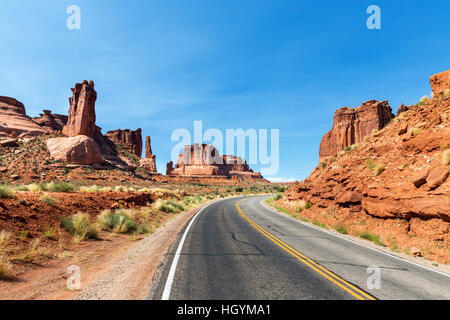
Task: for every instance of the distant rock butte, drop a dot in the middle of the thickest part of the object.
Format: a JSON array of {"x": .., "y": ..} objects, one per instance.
[
  {"x": 14, "y": 121},
  {"x": 149, "y": 163},
  {"x": 439, "y": 82},
  {"x": 351, "y": 125},
  {"x": 128, "y": 139},
  {"x": 204, "y": 160},
  {"x": 82, "y": 118}
]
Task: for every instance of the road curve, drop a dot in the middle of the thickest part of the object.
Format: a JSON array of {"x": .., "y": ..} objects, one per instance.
[{"x": 237, "y": 249}]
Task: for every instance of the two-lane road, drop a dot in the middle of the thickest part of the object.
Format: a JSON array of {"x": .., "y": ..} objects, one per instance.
[{"x": 237, "y": 249}]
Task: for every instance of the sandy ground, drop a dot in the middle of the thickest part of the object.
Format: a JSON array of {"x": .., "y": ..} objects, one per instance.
[{"x": 117, "y": 268}]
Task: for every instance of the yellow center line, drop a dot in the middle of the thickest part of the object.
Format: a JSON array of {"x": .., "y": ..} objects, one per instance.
[{"x": 354, "y": 291}]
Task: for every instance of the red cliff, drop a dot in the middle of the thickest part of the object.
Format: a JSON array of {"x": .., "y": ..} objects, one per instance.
[
  {"x": 351, "y": 125},
  {"x": 128, "y": 139}
]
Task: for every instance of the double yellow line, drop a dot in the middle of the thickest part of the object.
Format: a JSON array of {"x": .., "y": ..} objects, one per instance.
[{"x": 351, "y": 289}]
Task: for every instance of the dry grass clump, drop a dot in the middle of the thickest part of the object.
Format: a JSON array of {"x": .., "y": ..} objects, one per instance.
[
  {"x": 415, "y": 131},
  {"x": 446, "y": 157},
  {"x": 32, "y": 251},
  {"x": 375, "y": 168},
  {"x": 80, "y": 226},
  {"x": 48, "y": 200},
  {"x": 118, "y": 221},
  {"x": 6, "y": 192},
  {"x": 168, "y": 206}
]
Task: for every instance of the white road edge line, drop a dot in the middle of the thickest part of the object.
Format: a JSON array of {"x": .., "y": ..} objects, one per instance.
[
  {"x": 350, "y": 240},
  {"x": 173, "y": 267}
]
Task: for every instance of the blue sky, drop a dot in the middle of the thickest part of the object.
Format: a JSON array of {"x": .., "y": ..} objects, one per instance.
[{"x": 286, "y": 65}]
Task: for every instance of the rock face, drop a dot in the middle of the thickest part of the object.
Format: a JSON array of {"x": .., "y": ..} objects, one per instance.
[
  {"x": 351, "y": 125},
  {"x": 403, "y": 108},
  {"x": 204, "y": 160},
  {"x": 128, "y": 139},
  {"x": 14, "y": 121},
  {"x": 439, "y": 82},
  {"x": 81, "y": 119},
  {"x": 51, "y": 122},
  {"x": 77, "y": 150},
  {"x": 149, "y": 163},
  {"x": 407, "y": 200}
]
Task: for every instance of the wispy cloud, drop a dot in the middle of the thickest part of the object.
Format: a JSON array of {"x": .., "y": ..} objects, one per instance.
[{"x": 278, "y": 179}]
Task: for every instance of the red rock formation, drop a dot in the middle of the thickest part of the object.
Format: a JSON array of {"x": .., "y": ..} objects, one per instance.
[
  {"x": 403, "y": 108},
  {"x": 439, "y": 82},
  {"x": 352, "y": 125},
  {"x": 14, "y": 121},
  {"x": 149, "y": 163},
  {"x": 127, "y": 139},
  {"x": 82, "y": 110},
  {"x": 51, "y": 122},
  {"x": 204, "y": 160},
  {"x": 77, "y": 150}
]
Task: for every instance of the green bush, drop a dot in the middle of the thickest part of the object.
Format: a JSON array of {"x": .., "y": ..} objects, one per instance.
[
  {"x": 48, "y": 200},
  {"x": 116, "y": 222},
  {"x": 279, "y": 196},
  {"x": 239, "y": 189},
  {"x": 341, "y": 229},
  {"x": 308, "y": 205}
]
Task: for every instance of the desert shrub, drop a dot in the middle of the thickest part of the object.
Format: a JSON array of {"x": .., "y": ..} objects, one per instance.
[
  {"x": 341, "y": 229},
  {"x": 6, "y": 192},
  {"x": 116, "y": 222},
  {"x": 415, "y": 131},
  {"x": 60, "y": 187},
  {"x": 446, "y": 93},
  {"x": 22, "y": 188},
  {"x": 144, "y": 229},
  {"x": 169, "y": 206},
  {"x": 93, "y": 188},
  {"x": 80, "y": 226},
  {"x": 366, "y": 139},
  {"x": 48, "y": 200},
  {"x": 278, "y": 196},
  {"x": 50, "y": 234},
  {"x": 5, "y": 267},
  {"x": 375, "y": 168},
  {"x": 308, "y": 205},
  {"x": 238, "y": 189},
  {"x": 423, "y": 100},
  {"x": 446, "y": 157},
  {"x": 5, "y": 238},
  {"x": 375, "y": 238},
  {"x": 323, "y": 165},
  {"x": 32, "y": 251},
  {"x": 279, "y": 189},
  {"x": 317, "y": 223}
]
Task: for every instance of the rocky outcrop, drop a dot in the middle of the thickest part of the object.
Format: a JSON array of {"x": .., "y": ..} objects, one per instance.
[
  {"x": 14, "y": 121},
  {"x": 351, "y": 125},
  {"x": 51, "y": 122},
  {"x": 149, "y": 162},
  {"x": 77, "y": 150},
  {"x": 204, "y": 160},
  {"x": 396, "y": 184},
  {"x": 403, "y": 108},
  {"x": 128, "y": 139},
  {"x": 439, "y": 82},
  {"x": 82, "y": 118}
]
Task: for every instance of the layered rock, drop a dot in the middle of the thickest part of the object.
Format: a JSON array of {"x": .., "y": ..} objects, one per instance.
[
  {"x": 51, "y": 122},
  {"x": 128, "y": 139},
  {"x": 149, "y": 162},
  {"x": 439, "y": 82},
  {"x": 14, "y": 121},
  {"x": 351, "y": 125},
  {"x": 204, "y": 160},
  {"x": 78, "y": 150},
  {"x": 82, "y": 118}
]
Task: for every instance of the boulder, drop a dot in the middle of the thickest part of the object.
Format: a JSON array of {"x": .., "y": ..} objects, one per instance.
[
  {"x": 128, "y": 139},
  {"x": 14, "y": 121},
  {"x": 436, "y": 177},
  {"x": 403, "y": 108},
  {"x": 81, "y": 120},
  {"x": 420, "y": 178},
  {"x": 439, "y": 82},
  {"x": 349, "y": 197},
  {"x": 77, "y": 150},
  {"x": 351, "y": 125}
]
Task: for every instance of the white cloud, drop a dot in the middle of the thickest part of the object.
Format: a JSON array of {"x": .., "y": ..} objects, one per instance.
[{"x": 277, "y": 179}]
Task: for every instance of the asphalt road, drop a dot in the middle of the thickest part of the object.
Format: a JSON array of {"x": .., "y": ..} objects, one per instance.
[{"x": 237, "y": 249}]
